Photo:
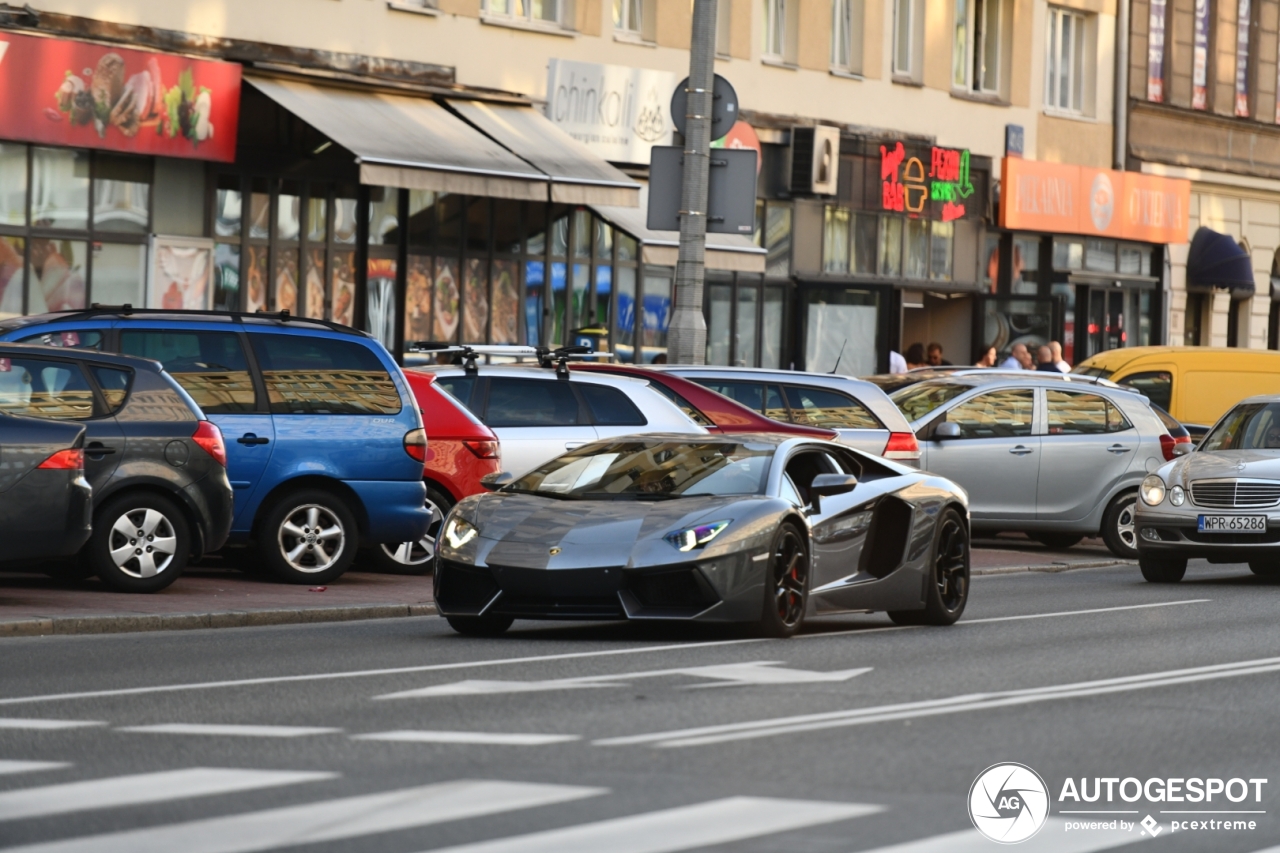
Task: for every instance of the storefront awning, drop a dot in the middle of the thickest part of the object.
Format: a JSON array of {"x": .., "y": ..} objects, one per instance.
[
  {"x": 724, "y": 251},
  {"x": 1216, "y": 260},
  {"x": 578, "y": 176}
]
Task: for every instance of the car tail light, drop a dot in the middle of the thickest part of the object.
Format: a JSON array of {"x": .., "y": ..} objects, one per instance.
[
  {"x": 415, "y": 444},
  {"x": 1168, "y": 443},
  {"x": 902, "y": 445},
  {"x": 209, "y": 437},
  {"x": 71, "y": 459},
  {"x": 482, "y": 449}
]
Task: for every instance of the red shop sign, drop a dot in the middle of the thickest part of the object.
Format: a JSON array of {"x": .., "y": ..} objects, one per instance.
[
  {"x": 86, "y": 95},
  {"x": 940, "y": 193}
]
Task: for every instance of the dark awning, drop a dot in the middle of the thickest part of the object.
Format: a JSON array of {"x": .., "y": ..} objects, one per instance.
[{"x": 1216, "y": 260}]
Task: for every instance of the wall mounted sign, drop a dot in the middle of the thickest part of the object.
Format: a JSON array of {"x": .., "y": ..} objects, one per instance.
[
  {"x": 616, "y": 111},
  {"x": 906, "y": 186},
  {"x": 1062, "y": 199},
  {"x": 63, "y": 92}
]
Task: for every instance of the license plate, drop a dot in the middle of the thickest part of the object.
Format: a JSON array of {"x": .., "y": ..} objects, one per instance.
[{"x": 1232, "y": 524}]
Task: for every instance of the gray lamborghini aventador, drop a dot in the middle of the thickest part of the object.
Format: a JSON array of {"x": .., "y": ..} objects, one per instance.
[{"x": 744, "y": 528}]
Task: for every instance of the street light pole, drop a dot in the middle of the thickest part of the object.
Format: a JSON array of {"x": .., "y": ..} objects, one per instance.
[{"x": 687, "y": 333}]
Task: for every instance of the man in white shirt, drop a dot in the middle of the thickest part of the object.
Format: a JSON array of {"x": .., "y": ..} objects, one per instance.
[{"x": 1018, "y": 358}]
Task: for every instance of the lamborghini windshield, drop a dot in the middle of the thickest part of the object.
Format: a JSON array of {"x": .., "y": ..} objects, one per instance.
[{"x": 651, "y": 470}]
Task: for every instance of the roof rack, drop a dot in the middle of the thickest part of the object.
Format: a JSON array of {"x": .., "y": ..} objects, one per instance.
[
  {"x": 128, "y": 310},
  {"x": 547, "y": 357},
  {"x": 1037, "y": 374}
]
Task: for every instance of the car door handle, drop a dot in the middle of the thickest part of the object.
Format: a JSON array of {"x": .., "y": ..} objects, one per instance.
[
  {"x": 1020, "y": 450},
  {"x": 250, "y": 438},
  {"x": 1117, "y": 448},
  {"x": 97, "y": 449}
]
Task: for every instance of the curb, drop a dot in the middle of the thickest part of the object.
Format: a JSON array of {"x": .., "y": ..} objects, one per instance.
[
  {"x": 1053, "y": 567},
  {"x": 63, "y": 625}
]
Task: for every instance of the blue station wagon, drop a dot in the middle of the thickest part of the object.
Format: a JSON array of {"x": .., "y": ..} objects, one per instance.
[{"x": 325, "y": 444}]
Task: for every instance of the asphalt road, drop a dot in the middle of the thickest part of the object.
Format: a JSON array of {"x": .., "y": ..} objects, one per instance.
[{"x": 400, "y": 736}]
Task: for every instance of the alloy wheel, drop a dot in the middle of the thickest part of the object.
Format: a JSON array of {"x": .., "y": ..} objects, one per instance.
[
  {"x": 423, "y": 550},
  {"x": 311, "y": 538},
  {"x": 142, "y": 543},
  {"x": 791, "y": 577},
  {"x": 1125, "y": 529},
  {"x": 951, "y": 565}
]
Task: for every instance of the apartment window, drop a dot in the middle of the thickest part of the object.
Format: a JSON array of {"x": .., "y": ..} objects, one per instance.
[
  {"x": 528, "y": 11},
  {"x": 975, "y": 53},
  {"x": 1200, "y": 56},
  {"x": 724, "y": 27},
  {"x": 775, "y": 29},
  {"x": 1155, "y": 51},
  {"x": 1243, "y": 19},
  {"x": 1065, "y": 63},
  {"x": 842, "y": 34},
  {"x": 905, "y": 24},
  {"x": 627, "y": 16}
]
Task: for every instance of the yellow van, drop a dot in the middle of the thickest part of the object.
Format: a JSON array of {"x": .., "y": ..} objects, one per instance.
[{"x": 1195, "y": 384}]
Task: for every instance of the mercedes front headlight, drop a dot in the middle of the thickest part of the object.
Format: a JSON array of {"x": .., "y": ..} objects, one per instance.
[
  {"x": 459, "y": 532},
  {"x": 1152, "y": 490}
]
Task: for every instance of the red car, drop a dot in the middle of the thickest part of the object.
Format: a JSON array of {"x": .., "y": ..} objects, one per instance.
[
  {"x": 460, "y": 450},
  {"x": 714, "y": 412}
]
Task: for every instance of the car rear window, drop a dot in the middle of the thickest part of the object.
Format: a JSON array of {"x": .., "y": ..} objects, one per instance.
[
  {"x": 611, "y": 407},
  {"x": 210, "y": 366},
  {"x": 830, "y": 409},
  {"x": 690, "y": 411},
  {"x": 458, "y": 387},
  {"x": 44, "y": 389},
  {"x": 323, "y": 376},
  {"x": 531, "y": 403},
  {"x": 114, "y": 383},
  {"x": 1157, "y": 385}
]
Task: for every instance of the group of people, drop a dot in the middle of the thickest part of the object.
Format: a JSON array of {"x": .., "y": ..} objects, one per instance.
[{"x": 1047, "y": 358}]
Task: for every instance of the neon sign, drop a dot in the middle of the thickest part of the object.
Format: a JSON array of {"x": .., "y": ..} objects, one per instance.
[{"x": 906, "y": 188}]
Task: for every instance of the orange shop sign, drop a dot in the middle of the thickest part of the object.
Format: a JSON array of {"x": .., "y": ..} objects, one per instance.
[{"x": 1061, "y": 199}]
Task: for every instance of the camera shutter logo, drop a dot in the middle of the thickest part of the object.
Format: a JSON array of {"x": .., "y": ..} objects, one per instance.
[{"x": 1008, "y": 803}]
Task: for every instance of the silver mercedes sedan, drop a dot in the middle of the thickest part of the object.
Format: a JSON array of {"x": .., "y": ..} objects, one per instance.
[{"x": 1221, "y": 502}]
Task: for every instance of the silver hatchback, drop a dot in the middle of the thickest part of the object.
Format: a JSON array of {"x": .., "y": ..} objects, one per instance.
[{"x": 1047, "y": 454}]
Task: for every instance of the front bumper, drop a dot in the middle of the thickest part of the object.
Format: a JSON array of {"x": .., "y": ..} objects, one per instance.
[
  {"x": 727, "y": 589},
  {"x": 1175, "y": 534}
]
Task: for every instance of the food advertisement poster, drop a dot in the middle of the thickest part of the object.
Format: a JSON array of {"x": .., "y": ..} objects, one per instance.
[
  {"x": 475, "y": 311},
  {"x": 256, "y": 280},
  {"x": 287, "y": 282},
  {"x": 417, "y": 299},
  {"x": 313, "y": 262},
  {"x": 446, "y": 301},
  {"x": 342, "y": 296},
  {"x": 381, "y": 303},
  {"x": 63, "y": 92},
  {"x": 506, "y": 303},
  {"x": 181, "y": 273}
]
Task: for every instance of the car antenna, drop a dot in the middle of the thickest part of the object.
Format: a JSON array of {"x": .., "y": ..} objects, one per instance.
[{"x": 840, "y": 356}]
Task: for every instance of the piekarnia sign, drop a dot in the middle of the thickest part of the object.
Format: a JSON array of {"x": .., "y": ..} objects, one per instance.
[{"x": 87, "y": 95}]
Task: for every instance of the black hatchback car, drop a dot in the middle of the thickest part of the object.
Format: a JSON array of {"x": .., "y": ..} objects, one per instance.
[
  {"x": 156, "y": 464},
  {"x": 46, "y": 504}
]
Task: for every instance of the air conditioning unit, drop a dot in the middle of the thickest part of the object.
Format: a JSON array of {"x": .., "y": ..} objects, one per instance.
[{"x": 815, "y": 160}]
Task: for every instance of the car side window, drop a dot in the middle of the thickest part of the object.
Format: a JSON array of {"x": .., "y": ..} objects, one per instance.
[
  {"x": 610, "y": 407},
  {"x": 690, "y": 411},
  {"x": 114, "y": 383},
  {"x": 323, "y": 376},
  {"x": 998, "y": 414},
  {"x": 749, "y": 394},
  {"x": 210, "y": 366},
  {"x": 1083, "y": 414},
  {"x": 78, "y": 339},
  {"x": 774, "y": 407},
  {"x": 1157, "y": 385},
  {"x": 820, "y": 407},
  {"x": 458, "y": 387},
  {"x": 531, "y": 403},
  {"x": 45, "y": 389}
]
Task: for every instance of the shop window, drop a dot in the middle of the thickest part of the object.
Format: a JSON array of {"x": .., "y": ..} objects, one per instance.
[
  {"x": 13, "y": 184},
  {"x": 1068, "y": 254},
  {"x": 777, "y": 239},
  {"x": 534, "y": 273},
  {"x": 288, "y": 214},
  {"x": 56, "y": 275},
  {"x": 627, "y": 247},
  {"x": 226, "y": 276},
  {"x": 835, "y": 240},
  {"x": 941, "y": 245},
  {"x": 508, "y": 225},
  {"x": 1067, "y": 55},
  {"x": 60, "y": 188},
  {"x": 475, "y": 302},
  {"x": 719, "y": 318},
  {"x": 976, "y": 50},
  {"x": 889, "y": 250},
  {"x": 916, "y": 254},
  {"x": 227, "y": 213},
  {"x": 1026, "y": 264},
  {"x": 121, "y": 194},
  {"x": 866, "y": 228},
  {"x": 745, "y": 332},
  {"x": 627, "y": 311},
  {"x": 841, "y": 331},
  {"x": 1100, "y": 255},
  {"x": 1135, "y": 260},
  {"x": 1066, "y": 294},
  {"x": 384, "y": 216},
  {"x": 318, "y": 219},
  {"x": 344, "y": 220},
  {"x": 771, "y": 326},
  {"x": 13, "y": 251},
  {"x": 446, "y": 301},
  {"x": 991, "y": 269},
  {"x": 260, "y": 211},
  {"x": 1191, "y": 329},
  {"x": 505, "y": 314},
  {"x": 657, "y": 314},
  {"x": 119, "y": 273}
]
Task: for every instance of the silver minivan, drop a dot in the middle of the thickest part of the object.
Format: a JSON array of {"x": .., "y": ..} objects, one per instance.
[
  {"x": 1047, "y": 454},
  {"x": 863, "y": 416}
]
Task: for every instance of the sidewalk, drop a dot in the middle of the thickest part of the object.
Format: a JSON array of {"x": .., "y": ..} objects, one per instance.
[{"x": 213, "y": 596}]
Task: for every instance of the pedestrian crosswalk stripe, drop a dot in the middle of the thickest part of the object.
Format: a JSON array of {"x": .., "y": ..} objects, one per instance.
[
  {"x": 230, "y": 730},
  {"x": 483, "y": 738},
  {"x": 681, "y": 828},
  {"x": 329, "y": 820},
  {"x": 1052, "y": 838},
  {"x": 21, "y": 723},
  {"x": 142, "y": 788},
  {"x": 7, "y": 767}
]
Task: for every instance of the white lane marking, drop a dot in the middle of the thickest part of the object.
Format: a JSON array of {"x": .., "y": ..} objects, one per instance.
[
  {"x": 16, "y": 723},
  {"x": 229, "y": 730},
  {"x": 142, "y": 788},
  {"x": 483, "y": 738},
  {"x": 8, "y": 766},
  {"x": 967, "y": 702},
  {"x": 438, "y": 667},
  {"x": 329, "y": 820},
  {"x": 726, "y": 675},
  {"x": 1053, "y": 838},
  {"x": 682, "y": 828}
]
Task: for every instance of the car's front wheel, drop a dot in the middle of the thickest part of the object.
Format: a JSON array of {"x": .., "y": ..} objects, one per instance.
[
  {"x": 1162, "y": 569},
  {"x": 140, "y": 542},
  {"x": 947, "y": 590},
  {"x": 786, "y": 586},
  {"x": 1057, "y": 541},
  {"x": 1118, "y": 528},
  {"x": 480, "y": 626},
  {"x": 1265, "y": 568},
  {"x": 308, "y": 536},
  {"x": 413, "y": 558}
]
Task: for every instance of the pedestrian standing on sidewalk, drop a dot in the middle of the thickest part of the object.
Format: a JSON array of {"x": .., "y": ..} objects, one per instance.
[
  {"x": 990, "y": 357},
  {"x": 1018, "y": 358},
  {"x": 1045, "y": 361},
  {"x": 915, "y": 357},
  {"x": 1058, "y": 361}
]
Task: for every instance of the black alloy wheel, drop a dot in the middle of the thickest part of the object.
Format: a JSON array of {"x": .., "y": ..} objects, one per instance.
[
  {"x": 947, "y": 589},
  {"x": 1162, "y": 569},
  {"x": 787, "y": 584}
]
